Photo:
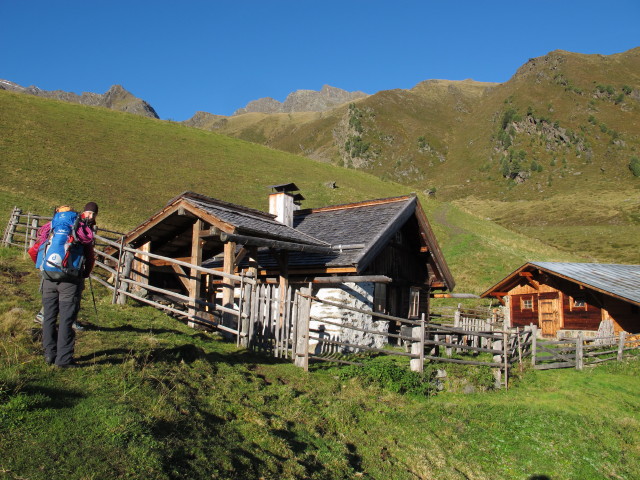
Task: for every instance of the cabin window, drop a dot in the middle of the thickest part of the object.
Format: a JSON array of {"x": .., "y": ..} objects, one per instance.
[
  {"x": 527, "y": 304},
  {"x": 578, "y": 303},
  {"x": 414, "y": 302},
  {"x": 380, "y": 298}
]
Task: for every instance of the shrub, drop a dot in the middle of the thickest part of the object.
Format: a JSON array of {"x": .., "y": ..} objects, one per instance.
[
  {"x": 634, "y": 166},
  {"x": 511, "y": 115},
  {"x": 387, "y": 373}
]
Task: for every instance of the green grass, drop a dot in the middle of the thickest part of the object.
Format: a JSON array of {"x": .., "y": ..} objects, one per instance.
[{"x": 158, "y": 400}]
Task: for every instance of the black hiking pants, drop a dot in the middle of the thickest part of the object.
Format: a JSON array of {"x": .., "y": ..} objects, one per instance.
[{"x": 59, "y": 302}]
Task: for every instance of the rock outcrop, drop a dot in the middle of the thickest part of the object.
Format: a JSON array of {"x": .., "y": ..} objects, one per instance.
[{"x": 303, "y": 101}]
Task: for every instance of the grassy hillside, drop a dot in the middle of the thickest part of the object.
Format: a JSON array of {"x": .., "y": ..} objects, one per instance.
[
  {"x": 54, "y": 152},
  {"x": 555, "y": 143},
  {"x": 158, "y": 400}
]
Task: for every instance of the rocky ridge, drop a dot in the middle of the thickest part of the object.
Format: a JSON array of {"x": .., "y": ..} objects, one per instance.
[
  {"x": 303, "y": 101},
  {"x": 116, "y": 98}
]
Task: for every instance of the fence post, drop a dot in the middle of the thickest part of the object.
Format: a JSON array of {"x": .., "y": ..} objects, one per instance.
[
  {"x": 579, "y": 351},
  {"x": 11, "y": 227},
  {"x": 34, "y": 232},
  {"x": 302, "y": 348},
  {"x": 621, "y": 342},
  {"x": 246, "y": 314},
  {"x": 417, "y": 347},
  {"x": 121, "y": 298},
  {"x": 534, "y": 344},
  {"x": 505, "y": 352},
  {"x": 116, "y": 280}
]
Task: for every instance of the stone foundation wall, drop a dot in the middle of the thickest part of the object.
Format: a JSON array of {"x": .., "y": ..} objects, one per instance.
[{"x": 358, "y": 295}]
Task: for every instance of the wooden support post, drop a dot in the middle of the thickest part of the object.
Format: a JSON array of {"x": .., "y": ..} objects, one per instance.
[
  {"x": 195, "y": 276},
  {"x": 142, "y": 267},
  {"x": 283, "y": 284},
  {"x": 621, "y": 342},
  {"x": 228, "y": 286},
  {"x": 250, "y": 298},
  {"x": 579, "y": 351}
]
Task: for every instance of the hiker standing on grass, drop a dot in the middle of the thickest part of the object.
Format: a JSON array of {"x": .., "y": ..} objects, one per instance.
[
  {"x": 88, "y": 218},
  {"x": 65, "y": 256}
]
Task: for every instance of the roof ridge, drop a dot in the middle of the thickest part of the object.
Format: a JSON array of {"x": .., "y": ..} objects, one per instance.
[
  {"x": 346, "y": 206},
  {"x": 222, "y": 204}
]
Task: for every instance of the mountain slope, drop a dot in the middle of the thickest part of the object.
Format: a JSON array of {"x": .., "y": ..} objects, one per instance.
[
  {"x": 548, "y": 153},
  {"x": 55, "y": 152}
]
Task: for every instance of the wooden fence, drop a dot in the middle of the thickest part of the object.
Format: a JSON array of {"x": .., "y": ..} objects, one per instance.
[
  {"x": 263, "y": 318},
  {"x": 580, "y": 352}
]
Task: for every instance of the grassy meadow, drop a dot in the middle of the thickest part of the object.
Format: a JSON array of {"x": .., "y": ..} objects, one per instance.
[{"x": 158, "y": 400}]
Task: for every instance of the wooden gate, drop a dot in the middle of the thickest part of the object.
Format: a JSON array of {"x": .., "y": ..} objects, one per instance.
[{"x": 549, "y": 316}]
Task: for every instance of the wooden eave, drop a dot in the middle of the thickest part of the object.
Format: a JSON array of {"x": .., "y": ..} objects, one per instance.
[
  {"x": 180, "y": 204},
  {"x": 378, "y": 243},
  {"x": 506, "y": 284},
  {"x": 432, "y": 243}
]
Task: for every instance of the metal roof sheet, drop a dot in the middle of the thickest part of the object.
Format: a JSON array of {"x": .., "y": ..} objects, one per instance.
[{"x": 620, "y": 280}]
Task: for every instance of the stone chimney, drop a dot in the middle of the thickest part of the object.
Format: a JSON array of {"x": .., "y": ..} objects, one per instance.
[{"x": 283, "y": 202}]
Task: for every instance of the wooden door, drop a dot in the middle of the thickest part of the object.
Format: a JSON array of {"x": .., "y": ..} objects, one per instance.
[{"x": 549, "y": 316}]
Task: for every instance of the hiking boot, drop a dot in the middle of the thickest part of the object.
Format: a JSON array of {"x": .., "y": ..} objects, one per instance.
[
  {"x": 78, "y": 327},
  {"x": 39, "y": 318}
]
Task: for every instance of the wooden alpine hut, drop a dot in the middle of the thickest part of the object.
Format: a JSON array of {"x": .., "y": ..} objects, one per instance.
[
  {"x": 562, "y": 299},
  {"x": 377, "y": 255}
]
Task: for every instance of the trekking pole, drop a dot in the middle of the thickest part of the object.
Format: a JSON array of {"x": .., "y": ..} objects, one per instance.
[{"x": 94, "y": 298}]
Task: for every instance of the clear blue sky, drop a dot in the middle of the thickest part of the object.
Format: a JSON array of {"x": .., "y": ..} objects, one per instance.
[{"x": 217, "y": 55}]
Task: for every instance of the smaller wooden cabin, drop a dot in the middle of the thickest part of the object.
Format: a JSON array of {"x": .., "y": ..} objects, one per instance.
[{"x": 564, "y": 298}]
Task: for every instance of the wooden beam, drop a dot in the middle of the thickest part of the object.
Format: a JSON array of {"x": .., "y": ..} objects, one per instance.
[
  {"x": 310, "y": 271},
  {"x": 209, "y": 232},
  {"x": 530, "y": 280},
  {"x": 453, "y": 295},
  {"x": 345, "y": 278},
  {"x": 182, "y": 276},
  {"x": 240, "y": 256},
  {"x": 166, "y": 263}
]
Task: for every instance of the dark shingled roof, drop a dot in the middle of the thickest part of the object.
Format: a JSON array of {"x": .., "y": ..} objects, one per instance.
[
  {"x": 248, "y": 221},
  {"x": 358, "y": 231}
]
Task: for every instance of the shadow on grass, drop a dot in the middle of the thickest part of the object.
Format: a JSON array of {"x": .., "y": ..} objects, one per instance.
[
  {"x": 130, "y": 329},
  {"x": 50, "y": 398},
  {"x": 187, "y": 353}
]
